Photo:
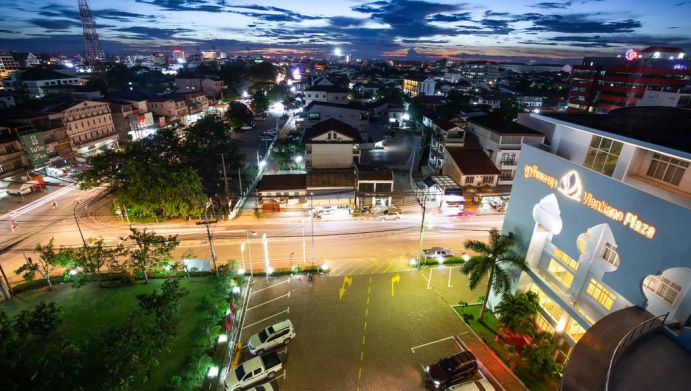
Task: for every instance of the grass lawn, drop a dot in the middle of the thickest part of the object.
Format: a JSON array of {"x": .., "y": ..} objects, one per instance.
[
  {"x": 90, "y": 310},
  {"x": 488, "y": 332}
]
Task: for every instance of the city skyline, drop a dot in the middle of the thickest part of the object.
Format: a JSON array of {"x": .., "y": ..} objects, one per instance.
[{"x": 553, "y": 31}]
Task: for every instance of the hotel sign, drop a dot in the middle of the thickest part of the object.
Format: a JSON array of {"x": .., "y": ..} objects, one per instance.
[
  {"x": 35, "y": 149},
  {"x": 570, "y": 186}
]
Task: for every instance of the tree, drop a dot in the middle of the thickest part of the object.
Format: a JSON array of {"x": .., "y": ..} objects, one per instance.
[
  {"x": 238, "y": 115},
  {"x": 537, "y": 359},
  {"x": 285, "y": 151},
  {"x": 517, "y": 312},
  {"x": 491, "y": 262},
  {"x": 118, "y": 77},
  {"x": 148, "y": 249},
  {"x": 264, "y": 71},
  {"x": 41, "y": 322},
  {"x": 278, "y": 93},
  {"x": 48, "y": 260},
  {"x": 93, "y": 257},
  {"x": 260, "y": 103},
  {"x": 164, "y": 304},
  {"x": 508, "y": 110}
]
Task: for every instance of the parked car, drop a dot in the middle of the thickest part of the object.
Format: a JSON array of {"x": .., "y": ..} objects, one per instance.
[
  {"x": 435, "y": 252},
  {"x": 452, "y": 370},
  {"x": 262, "y": 387},
  {"x": 253, "y": 371},
  {"x": 279, "y": 334},
  {"x": 390, "y": 215},
  {"x": 473, "y": 385}
]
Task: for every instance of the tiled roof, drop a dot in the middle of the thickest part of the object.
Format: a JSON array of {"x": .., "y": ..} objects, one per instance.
[
  {"x": 472, "y": 161},
  {"x": 331, "y": 179},
  {"x": 498, "y": 124},
  {"x": 283, "y": 182},
  {"x": 329, "y": 125}
]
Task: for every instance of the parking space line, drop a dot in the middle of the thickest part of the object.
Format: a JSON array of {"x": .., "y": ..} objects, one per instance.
[
  {"x": 429, "y": 343},
  {"x": 269, "y": 301},
  {"x": 347, "y": 268},
  {"x": 270, "y": 286},
  {"x": 391, "y": 264},
  {"x": 287, "y": 311}
]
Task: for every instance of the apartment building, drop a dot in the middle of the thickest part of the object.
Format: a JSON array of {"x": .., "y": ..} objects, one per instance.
[
  {"x": 501, "y": 140},
  {"x": 418, "y": 85},
  {"x": 479, "y": 73},
  {"x": 331, "y": 144},
  {"x": 600, "y": 213},
  {"x": 326, "y": 93},
  {"x": 445, "y": 133}
]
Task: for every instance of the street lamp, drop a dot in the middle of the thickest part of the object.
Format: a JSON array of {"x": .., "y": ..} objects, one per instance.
[
  {"x": 262, "y": 164},
  {"x": 268, "y": 268},
  {"x": 76, "y": 220},
  {"x": 298, "y": 159},
  {"x": 312, "y": 223},
  {"x": 465, "y": 257},
  {"x": 249, "y": 251}
]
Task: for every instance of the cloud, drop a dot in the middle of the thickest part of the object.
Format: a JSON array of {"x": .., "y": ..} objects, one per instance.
[
  {"x": 578, "y": 23},
  {"x": 187, "y": 5},
  {"x": 117, "y": 15},
  {"x": 460, "y": 17},
  {"x": 153, "y": 32},
  {"x": 552, "y": 5},
  {"x": 407, "y": 18},
  {"x": 610, "y": 41},
  {"x": 54, "y": 24}
]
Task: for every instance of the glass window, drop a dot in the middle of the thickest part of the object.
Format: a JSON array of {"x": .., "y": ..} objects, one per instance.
[
  {"x": 487, "y": 179},
  {"x": 552, "y": 308},
  {"x": 560, "y": 273},
  {"x": 609, "y": 254},
  {"x": 469, "y": 180},
  {"x": 543, "y": 324},
  {"x": 574, "y": 330},
  {"x": 602, "y": 155},
  {"x": 601, "y": 294},
  {"x": 508, "y": 158},
  {"x": 662, "y": 287},
  {"x": 565, "y": 258},
  {"x": 667, "y": 169},
  {"x": 506, "y": 175}
]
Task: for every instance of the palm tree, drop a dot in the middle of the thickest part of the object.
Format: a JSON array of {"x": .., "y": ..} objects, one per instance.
[
  {"x": 491, "y": 261},
  {"x": 517, "y": 312}
]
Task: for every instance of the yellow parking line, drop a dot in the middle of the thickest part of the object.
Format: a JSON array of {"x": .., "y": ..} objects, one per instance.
[
  {"x": 392, "y": 264},
  {"x": 359, "y": 373}
]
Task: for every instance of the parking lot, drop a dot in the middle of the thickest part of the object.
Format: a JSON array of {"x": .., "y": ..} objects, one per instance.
[{"x": 359, "y": 332}]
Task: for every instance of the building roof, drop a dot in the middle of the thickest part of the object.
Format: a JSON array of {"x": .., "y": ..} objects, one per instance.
[
  {"x": 50, "y": 104},
  {"x": 497, "y": 124},
  {"x": 472, "y": 161},
  {"x": 323, "y": 88},
  {"x": 329, "y": 125},
  {"x": 374, "y": 175},
  {"x": 329, "y": 104},
  {"x": 282, "y": 182},
  {"x": 664, "y": 126},
  {"x": 331, "y": 179},
  {"x": 35, "y": 74}
]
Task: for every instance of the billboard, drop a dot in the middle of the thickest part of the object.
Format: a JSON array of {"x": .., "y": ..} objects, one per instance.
[{"x": 35, "y": 149}]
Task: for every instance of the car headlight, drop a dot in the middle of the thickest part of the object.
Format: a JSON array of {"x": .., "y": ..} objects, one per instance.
[{"x": 437, "y": 383}]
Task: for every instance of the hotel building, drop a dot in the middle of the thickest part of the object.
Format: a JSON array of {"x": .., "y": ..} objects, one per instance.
[{"x": 600, "y": 213}]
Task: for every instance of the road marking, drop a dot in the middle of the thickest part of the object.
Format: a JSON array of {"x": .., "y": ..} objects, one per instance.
[
  {"x": 391, "y": 264},
  {"x": 270, "y": 286},
  {"x": 347, "y": 268},
  {"x": 429, "y": 343},
  {"x": 346, "y": 280},
  {"x": 379, "y": 266},
  {"x": 266, "y": 302},
  {"x": 395, "y": 279},
  {"x": 362, "y": 355},
  {"x": 287, "y": 311},
  {"x": 365, "y": 327},
  {"x": 366, "y": 312},
  {"x": 363, "y": 339},
  {"x": 359, "y": 373},
  {"x": 369, "y": 289},
  {"x": 367, "y": 300}
]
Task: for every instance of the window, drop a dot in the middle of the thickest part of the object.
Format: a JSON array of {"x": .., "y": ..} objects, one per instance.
[
  {"x": 667, "y": 169},
  {"x": 565, "y": 258},
  {"x": 662, "y": 287},
  {"x": 603, "y": 154},
  {"x": 601, "y": 294},
  {"x": 506, "y": 175},
  {"x": 384, "y": 187},
  {"x": 508, "y": 159},
  {"x": 560, "y": 273},
  {"x": 329, "y": 135},
  {"x": 315, "y": 115},
  {"x": 487, "y": 179},
  {"x": 609, "y": 254},
  {"x": 543, "y": 324},
  {"x": 469, "y": 180},
  {"x": 574, "y": 330}
]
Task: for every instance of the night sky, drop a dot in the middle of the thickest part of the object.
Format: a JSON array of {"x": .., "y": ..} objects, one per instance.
[{"x": 502, "y": 30}]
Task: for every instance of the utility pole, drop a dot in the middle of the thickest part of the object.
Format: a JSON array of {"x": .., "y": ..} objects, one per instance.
[
  {"x": 422, "y": 229},
  {"x": 225, "y": 177},
  {"x": 76, "y": 220},
  {"x": 240, "y": 181},
  {"x": 312, "y": 223},
  {"x": 208, "y": 234}
]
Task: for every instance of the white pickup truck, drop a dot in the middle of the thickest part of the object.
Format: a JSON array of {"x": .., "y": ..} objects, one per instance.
[{"x": 253, "y": 371}]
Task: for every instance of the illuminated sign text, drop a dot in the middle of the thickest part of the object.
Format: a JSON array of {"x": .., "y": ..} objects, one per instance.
[{"x": 570, "y": 185}]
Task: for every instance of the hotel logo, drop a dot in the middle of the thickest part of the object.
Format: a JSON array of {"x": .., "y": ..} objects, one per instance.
[{"x": 570, "y": 186}]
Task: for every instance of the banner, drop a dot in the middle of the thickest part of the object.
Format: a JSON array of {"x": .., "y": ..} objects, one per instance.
[{"x": 35, "y": 149}]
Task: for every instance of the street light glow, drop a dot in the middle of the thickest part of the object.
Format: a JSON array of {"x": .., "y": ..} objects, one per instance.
[
  {"x": 338, "y": 52},
  {"x": 73, "y": 272},
  {"x": 325, "y": 267},
  {"x": 269, "y": 270},
  {"x": 222, "y": 338},
  {"x": 241, "y": 271},
  {"x": 466, "y": 257},
  {"x": 262, "y": 164},
  {"x": 412, "y": 262},
  {"x": 236, "y": 289},
  {"x": 298, "y": 159},
  {"x": 213, "y": 371}
]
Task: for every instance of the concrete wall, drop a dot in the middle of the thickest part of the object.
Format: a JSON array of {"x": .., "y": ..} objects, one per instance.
[{"x": 331, "y": 156}]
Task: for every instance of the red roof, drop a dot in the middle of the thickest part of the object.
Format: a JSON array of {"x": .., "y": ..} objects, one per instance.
[{"x": 472, "y": 161}]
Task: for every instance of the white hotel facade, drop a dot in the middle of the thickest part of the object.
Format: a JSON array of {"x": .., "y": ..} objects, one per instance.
[{"x": 601, "y": 212}]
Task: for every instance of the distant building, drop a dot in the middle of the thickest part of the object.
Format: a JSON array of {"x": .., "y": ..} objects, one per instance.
[
  {"x": 210, "y": 86},
  {"x": 532, "y": 68},
  {"x": 419, "y": 85},
  {"x": 445, "y": 132},
  {"x": 354, "y": 115},
  {"x": 173, "y": 107},
  {"x": 326, "y": 93},
  {"x": 34, "y": 81},
  {"x": 601, "y": 84},
  {"x": 479, "y": 73},
  {"x": 472, "y": 170},
  {"x": 8, "y": 65}
]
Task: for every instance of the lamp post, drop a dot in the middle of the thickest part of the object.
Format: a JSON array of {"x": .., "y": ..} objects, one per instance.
[
  {"x": 76, "y": 220},
  {"x": 267, "y": 267},
  {"x": 249, "y": 251}
]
